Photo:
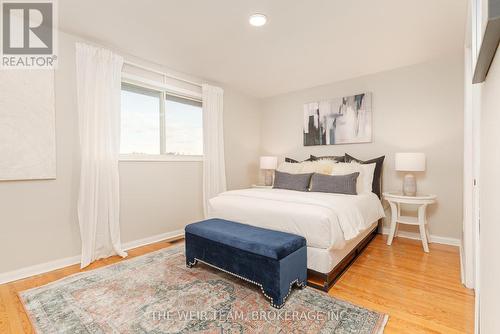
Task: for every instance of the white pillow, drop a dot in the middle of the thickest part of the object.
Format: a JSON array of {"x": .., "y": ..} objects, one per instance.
[
  {"x": 365, "y": 178},
  {"x": 289, "y": 167},
  {"x": 320, "y": 166},
  {"x": 367, "y": 171}
]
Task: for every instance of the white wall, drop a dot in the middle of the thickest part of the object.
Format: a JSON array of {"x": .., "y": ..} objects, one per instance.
[
  {"x": 38, "y": 219},
  {"x": 490, "y": 201},
  {"x": 415, "y": 108}
]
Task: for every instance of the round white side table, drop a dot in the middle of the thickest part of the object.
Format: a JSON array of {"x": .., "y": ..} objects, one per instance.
[{"x": 395, "y": 200}]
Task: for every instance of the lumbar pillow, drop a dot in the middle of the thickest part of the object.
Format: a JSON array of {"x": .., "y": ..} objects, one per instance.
[
  {"x": 339, "y": 184},
  {"x": 377, "y": 176},
  {"x": 299, "y": 182},
  {"x": 365, "y": 179}
]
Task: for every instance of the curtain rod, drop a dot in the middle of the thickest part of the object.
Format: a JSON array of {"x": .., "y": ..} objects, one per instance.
[{"x": 165, "y": 75}]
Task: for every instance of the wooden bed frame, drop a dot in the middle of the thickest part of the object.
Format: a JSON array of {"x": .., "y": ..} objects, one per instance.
[{"x": 325, "y": 281}]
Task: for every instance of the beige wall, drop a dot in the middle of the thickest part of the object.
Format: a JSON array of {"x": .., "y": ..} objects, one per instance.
[
  {"x": 416, "y": 108},
  {"x": 489, "y": 187},
  {"x": 38, "y": 219},
  {"x": 241, "y": 139}
]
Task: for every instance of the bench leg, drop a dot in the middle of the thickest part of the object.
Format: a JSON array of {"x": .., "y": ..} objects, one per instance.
[
  {"x": 301, "y": 285},
  {"x": 278, "y": 301},
  {"x": 275, "y": 299},
  {"x": 191, "y": 263}
]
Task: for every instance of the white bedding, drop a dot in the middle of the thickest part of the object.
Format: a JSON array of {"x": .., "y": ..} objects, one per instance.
[{"x": 326, "y": 220}]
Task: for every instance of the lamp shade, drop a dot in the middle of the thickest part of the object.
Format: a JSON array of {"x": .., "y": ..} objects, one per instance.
[
  {"x": 410, "y": 162},
  {"x": 268, "y": 162}
]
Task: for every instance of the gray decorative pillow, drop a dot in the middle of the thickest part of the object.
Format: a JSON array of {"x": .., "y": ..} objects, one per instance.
[
  {"x": 299, "y": 182},
  {"x": 338, "y": 184}
]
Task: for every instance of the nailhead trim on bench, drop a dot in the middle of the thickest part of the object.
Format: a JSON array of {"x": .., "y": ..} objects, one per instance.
[{"x": 300, "y": 285}]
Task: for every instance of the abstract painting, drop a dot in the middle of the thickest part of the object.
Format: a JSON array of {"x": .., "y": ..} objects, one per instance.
[{"x": 344, "y": 120}]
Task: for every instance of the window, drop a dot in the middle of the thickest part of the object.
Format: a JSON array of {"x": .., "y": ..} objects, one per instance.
[
  {"x": 158, "y": 125},
  {"x": 183, "y": 126},
  {"x": 140, "y": 118}
]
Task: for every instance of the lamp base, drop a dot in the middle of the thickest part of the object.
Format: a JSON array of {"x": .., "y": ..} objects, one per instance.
[
  {"x": 409, "y": 185},
  {"x": 268, "y": 177}
]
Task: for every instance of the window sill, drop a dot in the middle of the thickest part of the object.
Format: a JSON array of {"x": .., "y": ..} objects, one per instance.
[{"x": 158, "y": 157}]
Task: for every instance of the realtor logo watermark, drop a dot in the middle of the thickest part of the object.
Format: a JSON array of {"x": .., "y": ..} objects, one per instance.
[{"x": 29, "y": 34}]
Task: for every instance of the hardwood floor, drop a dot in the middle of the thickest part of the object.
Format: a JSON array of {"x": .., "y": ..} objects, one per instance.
[
  {"x": 13, "y": 318},
  {"x": 420, "y": 292}
]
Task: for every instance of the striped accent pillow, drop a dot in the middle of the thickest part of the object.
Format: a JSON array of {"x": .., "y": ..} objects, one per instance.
[
  {"x": 338, "y": 184},
  {"x": 298, "y": 182}
]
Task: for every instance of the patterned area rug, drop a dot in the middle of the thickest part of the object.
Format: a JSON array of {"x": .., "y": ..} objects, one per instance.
[{"x": 156, "y": 293}]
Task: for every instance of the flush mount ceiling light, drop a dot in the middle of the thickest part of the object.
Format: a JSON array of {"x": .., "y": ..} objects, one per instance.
[{"x": 257, "y": 20}]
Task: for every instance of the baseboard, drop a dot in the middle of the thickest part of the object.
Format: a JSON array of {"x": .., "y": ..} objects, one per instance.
[
  {"x": 37, "y": 269},
  {"x": 41, "y": 268},
  {"x": 462, "y": 265},
  {"x": 434, "y": 238},
  {"x": 155, "y": 238}
]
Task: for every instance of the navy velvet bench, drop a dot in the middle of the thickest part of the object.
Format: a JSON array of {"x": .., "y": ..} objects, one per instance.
[{"x": 270, "y": 259}]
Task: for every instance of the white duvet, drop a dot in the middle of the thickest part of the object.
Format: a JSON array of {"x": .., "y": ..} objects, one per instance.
[{"x": 325, "y": 220}]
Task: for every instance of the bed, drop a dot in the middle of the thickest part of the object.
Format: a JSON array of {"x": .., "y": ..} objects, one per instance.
[{"x": 336, "y": 226}]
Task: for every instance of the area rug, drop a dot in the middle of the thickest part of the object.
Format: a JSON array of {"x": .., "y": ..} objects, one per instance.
[{"x": 156, "y": 293}]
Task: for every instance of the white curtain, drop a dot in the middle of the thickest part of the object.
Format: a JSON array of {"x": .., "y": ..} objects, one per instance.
[
  {"x": 98, "y": 73},
  {"x": 214, "y": 170}
]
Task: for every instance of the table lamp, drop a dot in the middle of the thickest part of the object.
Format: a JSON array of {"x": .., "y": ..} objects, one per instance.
[
  {"x": 268, "y": 164},
  {"x": 410, "y": 162}
]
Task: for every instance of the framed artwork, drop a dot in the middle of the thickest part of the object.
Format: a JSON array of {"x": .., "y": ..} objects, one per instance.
[
  {"x": 344, "y": 120},
  {"x": 485, "y": 36}
]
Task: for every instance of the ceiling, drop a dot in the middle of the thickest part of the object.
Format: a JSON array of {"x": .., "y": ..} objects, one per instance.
[{"x": 304, "y": 44}]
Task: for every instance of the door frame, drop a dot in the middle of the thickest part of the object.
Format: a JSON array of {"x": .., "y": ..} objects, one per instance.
[{"x": 470, "y": 253}]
